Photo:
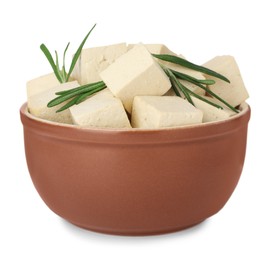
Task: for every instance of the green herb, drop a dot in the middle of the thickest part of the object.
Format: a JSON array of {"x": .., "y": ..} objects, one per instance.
[
  {"x": 189, "y": 78},
  {"x": 189, "y": 65},
  {"x": 197, "y": 83},
  {"x": 174, "y": 77},
  {"x": 176, "y": 84},
  {"x": 76, "y": 95},
  {"x": 61, "y": 74},
  {"x": 52, "y": 63}
]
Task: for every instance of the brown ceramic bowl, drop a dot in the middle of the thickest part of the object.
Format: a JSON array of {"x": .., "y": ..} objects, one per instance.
[{"x": 135, "y": 182}]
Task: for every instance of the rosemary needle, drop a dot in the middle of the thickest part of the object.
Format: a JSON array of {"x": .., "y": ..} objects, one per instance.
[
  {"x": 77, "y": 54},
  {"x": 189, "y": 65},
  {"x": 194, "y": 81},
  {"x": 79, "y": 90},
  {"x": 61, "y": 74},
  {"x": 81, "y": 97},
  {"x": 175, "y": 82},
  {"x": 186, "y": 91}
]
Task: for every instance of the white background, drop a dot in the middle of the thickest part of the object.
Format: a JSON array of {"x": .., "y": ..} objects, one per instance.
[{"x": 247, "y": 227}]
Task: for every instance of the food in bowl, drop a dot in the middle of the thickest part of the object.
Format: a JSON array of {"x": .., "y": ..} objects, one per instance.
[
  {"x": 104, "y": 83},
  {"x": 123, "y": 160}
]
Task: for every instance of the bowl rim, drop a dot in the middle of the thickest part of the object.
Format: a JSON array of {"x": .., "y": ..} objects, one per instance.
[{"x": 168, "y": 134}]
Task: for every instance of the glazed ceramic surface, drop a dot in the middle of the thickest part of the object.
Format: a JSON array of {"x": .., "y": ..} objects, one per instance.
[{"x": 135, "y": 182}]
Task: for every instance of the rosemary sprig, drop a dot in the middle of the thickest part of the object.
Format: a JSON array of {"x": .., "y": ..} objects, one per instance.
[
  {"x": 61, "y": 74},
  {"x": 191, "y": 79},
  {"x": 196, "y": 82},
  {"x": 51, "y": 62},
  {"x": 189, "y": 65},
  {"x": 76, "y": 95},
  {"x": 176, "y": 84},
  {"x": 64, "y": 92}
]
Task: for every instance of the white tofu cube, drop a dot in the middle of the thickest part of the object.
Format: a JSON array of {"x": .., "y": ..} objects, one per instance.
[
  {"x": 41, "y": 84},
  {"x": 93, "y": 60},
  {"x": 160, "y": 112},
  {"x": 155, "y": 48},
  {"x": 105, "y": 93},
  {"x": 235, "y": 92},
  {"x": 135, "y": 73},
  {"x": 37, "y": 104},
  {"x": 101, "y": 110},
  {"x": 211, "y": 113}
]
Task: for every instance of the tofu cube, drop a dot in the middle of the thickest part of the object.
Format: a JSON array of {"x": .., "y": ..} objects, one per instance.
[
  {"x": 101, "y": 110},
  {"x": 159, "y": 112},
  {"x": 41, "y": 84},
  {"x": 37, "y": 104},
  {"x": 104, "y": 93},
  {"x": 135, "y": 73},
  {"x": 155, "y": 48},
  {"x": 93, "y": 60},
  {"x": 211, "y": 113},
  {"x": 235, "y": 92}
]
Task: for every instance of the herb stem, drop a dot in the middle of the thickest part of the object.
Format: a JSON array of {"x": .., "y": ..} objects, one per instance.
[
  {"x": 76, "y": 95},
  {"x": 184, "y": 63},
  {"x": 96, "y": 84},
  {"x": 77, "y": 54},
  {"x": 191, "y": 80},
  {"x": 61, "y": 74}
]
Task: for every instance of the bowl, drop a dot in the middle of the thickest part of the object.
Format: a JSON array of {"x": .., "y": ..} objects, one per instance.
[{"x": 135, "y": 182}]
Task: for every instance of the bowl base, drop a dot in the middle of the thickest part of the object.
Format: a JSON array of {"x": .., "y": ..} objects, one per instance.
[{"x": 137, "y": 232}]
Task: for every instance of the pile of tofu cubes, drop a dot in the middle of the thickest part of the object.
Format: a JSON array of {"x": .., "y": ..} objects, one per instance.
[{"x": 138, "y": 93}]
